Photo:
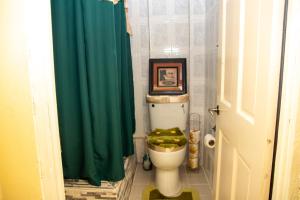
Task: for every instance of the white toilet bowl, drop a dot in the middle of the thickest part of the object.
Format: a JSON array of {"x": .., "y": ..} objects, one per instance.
[
  {"x": 167, "y": 165},
  {"x": 167, "y": 112}
]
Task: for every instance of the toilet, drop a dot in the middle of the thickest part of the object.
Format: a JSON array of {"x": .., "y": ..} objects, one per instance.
[{"x": 167, "y": 141}]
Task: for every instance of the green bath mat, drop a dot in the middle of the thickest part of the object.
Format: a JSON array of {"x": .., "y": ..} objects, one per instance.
[{"x": 151, "y": 193}]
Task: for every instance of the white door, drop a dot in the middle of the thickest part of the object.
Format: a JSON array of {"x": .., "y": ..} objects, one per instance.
[{"x": 248, "y": 79}]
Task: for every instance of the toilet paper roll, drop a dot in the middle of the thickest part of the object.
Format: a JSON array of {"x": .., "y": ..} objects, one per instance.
[
  {"x": 209, "y": 141},
  {"x": 193, "y": 155},
  {"x": 193, "y": 148},
  {"x": 194, "y": 136},
  {"x": 193, "y": 163}
]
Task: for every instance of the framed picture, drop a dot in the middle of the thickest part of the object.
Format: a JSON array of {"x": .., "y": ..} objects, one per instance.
[{"x": 167, "y": 76}]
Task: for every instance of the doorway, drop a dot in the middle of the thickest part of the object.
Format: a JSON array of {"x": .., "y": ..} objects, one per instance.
[{"x": 275, "y": 61}]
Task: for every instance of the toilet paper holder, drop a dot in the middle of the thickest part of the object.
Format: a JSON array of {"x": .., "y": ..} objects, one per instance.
[
  {"x": 209, "y": 141},
  {"x": 195, "y": 121},
  {"x": 194, "y": 139}
]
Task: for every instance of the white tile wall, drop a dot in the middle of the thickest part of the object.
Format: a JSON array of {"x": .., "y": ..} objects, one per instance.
[
  {"x": 175, "y": 28},
  {"x": 211, "y": 41}
]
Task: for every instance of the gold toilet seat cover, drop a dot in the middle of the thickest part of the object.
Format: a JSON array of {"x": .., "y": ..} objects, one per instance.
[{"x": 166, "y": 140}]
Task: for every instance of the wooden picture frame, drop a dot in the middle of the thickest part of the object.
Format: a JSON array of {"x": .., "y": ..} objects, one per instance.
[{"x": 167, "y": 76}]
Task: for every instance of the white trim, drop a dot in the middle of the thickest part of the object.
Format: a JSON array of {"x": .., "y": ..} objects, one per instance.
[
  {"x": 41, "y": 76},
  {"x": 289, "y": 104}
]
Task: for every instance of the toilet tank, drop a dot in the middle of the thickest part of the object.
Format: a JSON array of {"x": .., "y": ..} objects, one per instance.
[{"x": 168, "y": 111}]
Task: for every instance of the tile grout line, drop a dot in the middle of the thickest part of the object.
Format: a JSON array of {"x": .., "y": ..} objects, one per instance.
[{"x": 206, "y": 177}]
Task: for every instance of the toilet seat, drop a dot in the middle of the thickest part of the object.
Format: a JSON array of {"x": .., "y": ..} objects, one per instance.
[
  {"x": 167, "y": 147},
  {"x": 166, "y": 140}
]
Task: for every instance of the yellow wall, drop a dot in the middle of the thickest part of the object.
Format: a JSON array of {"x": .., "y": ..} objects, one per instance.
[
  {"x": 294, "y": 192},
  {"x": 19, "y": 176}
]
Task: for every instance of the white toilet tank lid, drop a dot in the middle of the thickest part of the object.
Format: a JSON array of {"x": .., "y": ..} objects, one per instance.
[{"x": 167, "y": 98}]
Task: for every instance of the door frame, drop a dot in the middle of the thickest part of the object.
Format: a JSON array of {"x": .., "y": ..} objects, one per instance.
[
  {"x": 40, "y": 61},
  {"x": 290, "y": 100}
]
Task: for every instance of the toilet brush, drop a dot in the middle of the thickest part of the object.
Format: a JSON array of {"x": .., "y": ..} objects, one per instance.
[{"x": 147, "y": 164}]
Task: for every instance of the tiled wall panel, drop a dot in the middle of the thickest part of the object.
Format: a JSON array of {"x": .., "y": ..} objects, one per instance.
[
  {"x": 169, "y": 29},
  {"x": 211, "y": 42}
]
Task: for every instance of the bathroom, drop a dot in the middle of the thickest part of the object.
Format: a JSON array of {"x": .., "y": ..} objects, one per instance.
[
  {"x": 184, "y": 30},
  {"x": 190, "y": 30},
  {"x": 162, "y": 29}
]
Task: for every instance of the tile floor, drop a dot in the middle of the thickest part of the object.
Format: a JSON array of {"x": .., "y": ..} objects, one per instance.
[{"x": 191, "y": 179}]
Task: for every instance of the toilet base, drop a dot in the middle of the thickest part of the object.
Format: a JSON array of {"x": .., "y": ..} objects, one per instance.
[{"x": 168, "y": 182}]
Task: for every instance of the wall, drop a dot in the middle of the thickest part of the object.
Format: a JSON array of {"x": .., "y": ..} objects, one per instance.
[
  {"x": 286, "y": 184},
  {"x": 1, "y": 197},
  {"x": 211, "y": 43},
  {"x": 168, "y": 29},
  {"x": 30, "y": 166},
  {"x": 292, "y": 63},
  {"x": 19, "y": 173},
  {"x": 294, "y": 188}
]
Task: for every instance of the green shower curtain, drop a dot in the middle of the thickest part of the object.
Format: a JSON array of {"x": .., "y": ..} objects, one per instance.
[{"x": 94, "y": 84}]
